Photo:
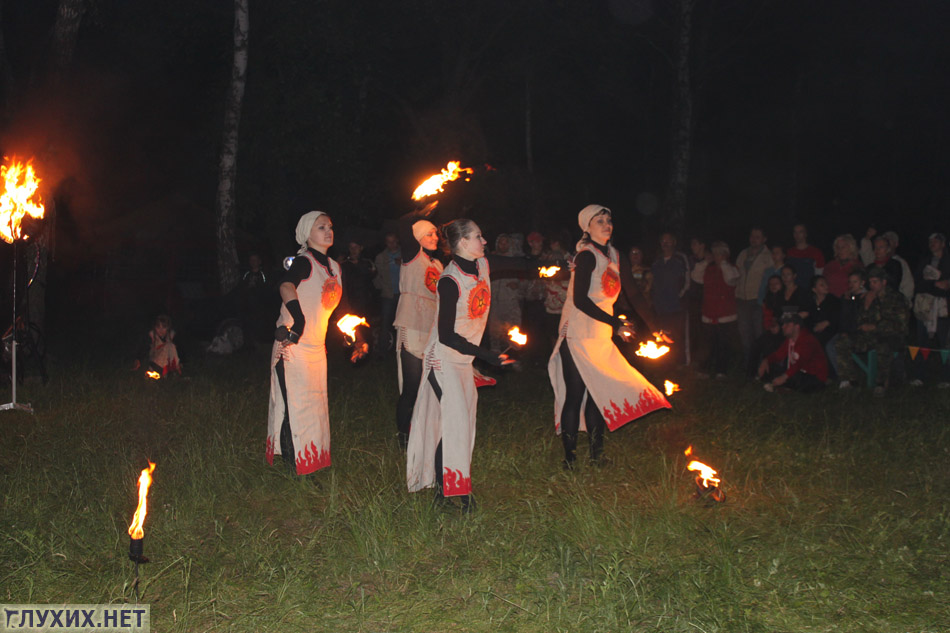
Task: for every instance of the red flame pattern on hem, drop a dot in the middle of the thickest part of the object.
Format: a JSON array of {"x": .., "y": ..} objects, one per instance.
[
  {"x": 269, "y": 450},
  {"x": 650, "y": 400},
  {"x": 311, "y": 459},
  {"x": 454, "y": 484}
]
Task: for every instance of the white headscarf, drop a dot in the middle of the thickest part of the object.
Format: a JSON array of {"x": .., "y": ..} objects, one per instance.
[
  {"x": 304, "y": 224},
  {"x": 587, "y": 214},
  {"x": 420, "y": 228}
]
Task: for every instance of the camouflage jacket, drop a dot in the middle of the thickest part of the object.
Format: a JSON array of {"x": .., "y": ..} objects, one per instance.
[{"x": 887, "y": 312}]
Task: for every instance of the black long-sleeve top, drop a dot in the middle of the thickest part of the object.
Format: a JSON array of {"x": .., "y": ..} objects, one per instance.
[
  {"x": 584, "y": 264},
  {"x": 448, "y": 300}
]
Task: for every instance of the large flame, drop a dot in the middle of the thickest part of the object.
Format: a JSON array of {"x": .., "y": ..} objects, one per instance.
[
  {"x": 348, "y": 324},
  {"x": 517, "y": 337},
  {"x": 145, "y": 480},
  {"x": 549, "y": 271},
  {"x": 434, "y": 184},
  {"x": 669, "y": 386},
  {"x": 650, "y": 349},
  {"x": 20, "y": 184},
  {"x": 706, "y": 474}
]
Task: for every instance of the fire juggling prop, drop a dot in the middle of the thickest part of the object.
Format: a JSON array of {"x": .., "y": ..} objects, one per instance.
[
  {"x": 136, "y": 528},
  {"x": 154, "y": 375},
  {"x": 348, "y": 324},
  {"x": 516, "y": 337},
  {"x": 707, "y": 482},
  {"x": 651, "y": 349},
  {"x": 670, "y": 387},
  {"x": 18, "y": 201},
  {"x": 435, "y": 184},
  {"x": 548, "y": 271}
]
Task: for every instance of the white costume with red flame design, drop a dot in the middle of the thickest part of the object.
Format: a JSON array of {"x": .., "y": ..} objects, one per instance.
[
  {"x": 451, "y": 420},
  {"x": 620, "y": 391},
  {"x": 415, "y": 313},
  {"x": 305, "y": 372}
]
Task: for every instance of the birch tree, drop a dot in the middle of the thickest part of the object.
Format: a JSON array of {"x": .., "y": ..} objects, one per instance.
[{"x": 228, "y": 266}]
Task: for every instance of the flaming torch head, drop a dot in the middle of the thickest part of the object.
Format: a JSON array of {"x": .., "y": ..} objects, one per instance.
[
  {"x": 19, "y": 199},
  {"x": 707, "y": 480},
  {"x": 517, "y": 337},
  {"x": 348, "y": 325},
  {"x": 136, "y": 529},
  {"x": 154, "y": 375},
  {"x": 650, "y": 349},
  {"x": 669, "y": 386},
  {"x": 434, "y": 184},
  {"x": 549, "y": 271}
]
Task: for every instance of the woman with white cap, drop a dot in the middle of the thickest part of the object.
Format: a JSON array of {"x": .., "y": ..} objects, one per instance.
[
  {"x": 443, "y": 421},
  {"x": 415, "y": 312},
  {"x": 298, "y": 422},
  {"x": 586, "y": 366}
]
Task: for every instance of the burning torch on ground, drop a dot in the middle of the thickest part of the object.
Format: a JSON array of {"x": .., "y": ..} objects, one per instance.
[
  {"x": 136, "y": 529},
  {"x": 707, "y": 481}
]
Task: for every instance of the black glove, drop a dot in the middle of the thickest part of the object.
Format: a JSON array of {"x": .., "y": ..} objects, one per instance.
[{"x": 299, "y": 321}]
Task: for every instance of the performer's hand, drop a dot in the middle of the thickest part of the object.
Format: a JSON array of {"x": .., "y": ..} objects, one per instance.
[
  {"x": 360, "y": 351},
  {"x": 285, "y": 336},
  {"x": 664, "y": 337},
  {"x": 626, "y": 332}
]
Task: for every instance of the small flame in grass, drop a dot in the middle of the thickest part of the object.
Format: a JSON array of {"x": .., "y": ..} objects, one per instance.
[
  {"x": 348, "y": 324},
  {"x": 517, "y": 337},
  {"x": 136, "y": 530},
  {"x": 434, "y": 184},
  {"x": 154, "y": 375},
  {"x": 670, "y": 386},
  {"x": 650, "y": 349},
  {"x": 705, "y": 474},
  {"x": 549, "y": 271},
  {"x": 17, "y": 201}
]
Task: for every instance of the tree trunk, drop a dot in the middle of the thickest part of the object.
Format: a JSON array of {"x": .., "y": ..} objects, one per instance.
[
  {"x": 65, "y": 33},
  {"x": 228, "y": 271},
  {"x": 675, "y": 204},
  {"x": 528, "y": 145}
]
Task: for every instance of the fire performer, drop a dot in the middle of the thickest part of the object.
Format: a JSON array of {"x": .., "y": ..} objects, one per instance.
[
  {"x": 298, "y": 423},
  {"x": 586, "y": 365},
  {"x": 415, "y": 313},
  {"x": 442, "y": 435}
]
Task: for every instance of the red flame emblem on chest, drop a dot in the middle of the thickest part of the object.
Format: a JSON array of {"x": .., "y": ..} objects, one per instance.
[
  {"x": 432, "y": 278},
  {"x": 331, "y": 294},
  {"x": 479, "y": 300},
  {"x": 610, "y": 283}
]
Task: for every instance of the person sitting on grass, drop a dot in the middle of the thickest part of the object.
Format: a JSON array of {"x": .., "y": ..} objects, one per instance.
[
  {"x": 799, "y": 363},
  {"x": 881, "y": 322},
  {"x": 162, "y": 355}
]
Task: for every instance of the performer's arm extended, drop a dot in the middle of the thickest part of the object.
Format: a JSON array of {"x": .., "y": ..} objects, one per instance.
[{"x": 448, "y": 299}]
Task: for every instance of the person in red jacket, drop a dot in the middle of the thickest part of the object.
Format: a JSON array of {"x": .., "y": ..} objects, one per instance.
[{"x": 799, "y": 363}]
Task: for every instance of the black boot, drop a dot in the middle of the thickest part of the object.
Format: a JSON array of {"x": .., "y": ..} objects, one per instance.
[
  {"x": 570, "y": 450},
  {"x": 597, "y": 444},
  {"x": 403, "y": 440}
]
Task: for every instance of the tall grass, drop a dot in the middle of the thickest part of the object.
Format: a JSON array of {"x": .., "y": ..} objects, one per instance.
[{"x": 837, "y": 517}]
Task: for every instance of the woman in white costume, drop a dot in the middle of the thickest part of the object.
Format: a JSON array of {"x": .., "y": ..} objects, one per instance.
[
  {"x": 298, "y": 422},
  {"x": 443, "y": 422},
  {"x": 418, "y": 276},
  {"x": 594, "y": 386}
]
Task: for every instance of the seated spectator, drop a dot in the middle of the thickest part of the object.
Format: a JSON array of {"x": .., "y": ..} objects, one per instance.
[
  {"x": 799, "y": 363},
  {"x": 881, "y": 321},
  {"x": 822, "y": 310},
  {"x": 805, "y": 259},
  {"x": 778, "y": 262},
  {"x": 719, "y": 309},
  {"x": 794, "y": 297},
  {"x": 930, "y": 307},
  {"x": 845, "y": 262},
  {"x": 771, "y": 336}
]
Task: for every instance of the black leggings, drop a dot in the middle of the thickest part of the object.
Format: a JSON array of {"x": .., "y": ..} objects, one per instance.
[
  {"x": 286, "y": 437},
  {"x": 571, "y": 413},
  {"x": 438, "y": 449},
  {"x": 411, "y": 377}
]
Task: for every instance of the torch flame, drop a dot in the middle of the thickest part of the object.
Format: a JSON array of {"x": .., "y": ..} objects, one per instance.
[
  {"x": 154, "y": 375},
  {"x": 434, "y": 184},
  {"x": 705, "y": 473},
  {"x": 549, "y": 271},
  {"x": 20, "y": 184},
  {"x": 650, "y": 349},
  {"x": 145, "y": 480},
  {"x": 516, "y": 336},
  {"x": 348, "y": 324},
  {"x": 670, "y": 387}
]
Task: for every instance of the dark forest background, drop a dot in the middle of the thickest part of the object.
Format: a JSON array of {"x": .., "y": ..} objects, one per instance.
[{"x": 831, "y": 113}]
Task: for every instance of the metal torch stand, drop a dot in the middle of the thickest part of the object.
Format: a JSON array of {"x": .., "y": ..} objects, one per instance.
[{"x": 13, "y": 405}]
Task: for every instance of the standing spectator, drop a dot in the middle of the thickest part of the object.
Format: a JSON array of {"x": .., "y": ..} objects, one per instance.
[
  {"x": 906, "y": 286},
  {"x": 506, "y": 294},
  {"x": 794, "y": 296},
  {"x": 670, "y": 284},
  {"x": 555, "y": 288},
  {"x": 848, "y": 314},
  {"x": 358, "y": 274},
  {"x": 752, "y": 264},
  {"x": 883, "y": 251},
  {"x": 699, "y": 259},
  {"x": 867, "y": 246},
  {"x": 845, "y": 262},
  {"x": 642, "y": 276},
  {"x": 881, "y": 323},
  {"x": 930, "y": 308},
  {"x": 778, "y": 262},
  {"x": 387, "y": 282},
  {"x": 799, "y": 363},
  {"x": 719, "y": 308},
  {"x": 806, "y": 259}
]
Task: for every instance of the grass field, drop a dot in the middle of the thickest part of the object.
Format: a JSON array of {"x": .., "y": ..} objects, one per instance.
[{"x": 837, "y": 517}]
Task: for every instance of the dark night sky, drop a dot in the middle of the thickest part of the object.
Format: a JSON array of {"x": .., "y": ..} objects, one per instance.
[{"x": 350, "y": 103}]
